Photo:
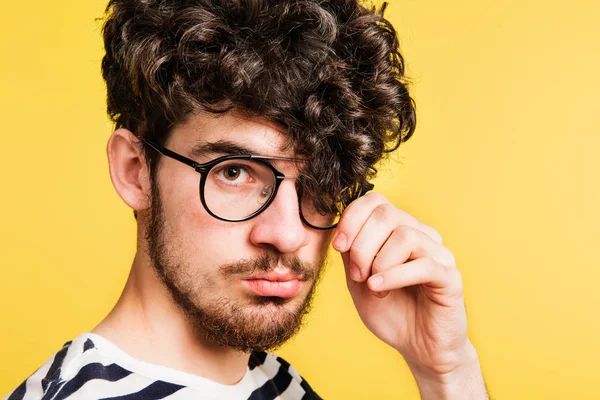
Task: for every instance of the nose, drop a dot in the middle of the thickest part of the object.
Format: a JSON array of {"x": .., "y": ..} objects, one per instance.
[{"x": 279, "y": 226}]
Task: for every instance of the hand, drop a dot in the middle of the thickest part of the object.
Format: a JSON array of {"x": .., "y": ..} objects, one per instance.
[{"x": 404, "y": 284}]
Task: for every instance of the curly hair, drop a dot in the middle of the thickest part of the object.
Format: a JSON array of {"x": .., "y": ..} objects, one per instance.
[{"x": 328, "y": 71}]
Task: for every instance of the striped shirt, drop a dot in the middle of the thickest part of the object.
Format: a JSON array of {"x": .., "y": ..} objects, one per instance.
[{"x": 91, "y": 367}]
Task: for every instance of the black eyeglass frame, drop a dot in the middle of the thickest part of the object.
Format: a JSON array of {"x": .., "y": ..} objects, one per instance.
[{"x": 204, "y": 168}]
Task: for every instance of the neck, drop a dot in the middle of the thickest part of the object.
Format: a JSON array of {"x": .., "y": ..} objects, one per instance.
[{"x": 147, "y": 324}]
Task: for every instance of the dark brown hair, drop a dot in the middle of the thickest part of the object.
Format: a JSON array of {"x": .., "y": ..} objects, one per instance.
[{"x": 328, "y": 71}]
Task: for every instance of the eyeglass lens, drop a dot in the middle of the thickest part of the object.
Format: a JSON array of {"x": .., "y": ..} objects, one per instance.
[{"x": 236, "y": 189}]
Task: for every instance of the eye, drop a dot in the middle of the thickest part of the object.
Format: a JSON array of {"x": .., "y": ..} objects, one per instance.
[{"x": 232, "y": 173}]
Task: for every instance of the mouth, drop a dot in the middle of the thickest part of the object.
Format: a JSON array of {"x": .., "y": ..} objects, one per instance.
[
  {"x": 266, "y": 288},
  {"x": 284, "y": 285}
]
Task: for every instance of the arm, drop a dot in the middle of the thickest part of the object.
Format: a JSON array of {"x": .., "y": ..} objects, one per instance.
[
  {"x": 465, "y": 383},
  {"x": 408, "y": 292}
]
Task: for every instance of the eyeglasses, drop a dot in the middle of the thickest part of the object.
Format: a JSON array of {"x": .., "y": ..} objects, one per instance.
[{"x": 236, "y": 188}]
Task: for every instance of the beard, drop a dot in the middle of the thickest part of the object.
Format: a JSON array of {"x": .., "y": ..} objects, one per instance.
[{"x": 256, "y": 323}]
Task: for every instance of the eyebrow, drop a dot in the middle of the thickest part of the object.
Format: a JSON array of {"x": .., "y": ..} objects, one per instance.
[{"x": 224, "y": 147}]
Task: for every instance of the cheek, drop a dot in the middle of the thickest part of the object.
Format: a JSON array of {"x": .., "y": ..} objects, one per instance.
[
  {"x": 183, "y": 208},
  {"x": 222, "y": 240},
  {"x": 186, "y": 196},
  {"x": 198, "y": 212},
  {"x": 318, "y": 246},
  {"x": 323, "y": 239}
]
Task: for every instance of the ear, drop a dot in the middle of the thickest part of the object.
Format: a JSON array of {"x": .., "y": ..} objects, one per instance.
[{"x": 128, "y": 170}]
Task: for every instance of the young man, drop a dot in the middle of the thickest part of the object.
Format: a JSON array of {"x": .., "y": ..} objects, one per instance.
[{"x": 247, "y": 132}]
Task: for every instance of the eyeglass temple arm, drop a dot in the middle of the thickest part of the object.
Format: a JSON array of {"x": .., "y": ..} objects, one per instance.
[
  {"x": 194, "y": 164},
  {"x": 366, "y": 186},
  {"x": 169, "y": 153}
]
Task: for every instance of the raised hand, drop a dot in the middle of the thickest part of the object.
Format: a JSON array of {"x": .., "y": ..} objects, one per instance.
[{"x": 405, "y": 285}]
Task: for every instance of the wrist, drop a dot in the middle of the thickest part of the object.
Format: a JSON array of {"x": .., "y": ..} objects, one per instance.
[{"x": 461, "y": 380}]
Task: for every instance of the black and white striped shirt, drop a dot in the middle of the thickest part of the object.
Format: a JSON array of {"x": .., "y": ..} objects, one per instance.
[{"x": 91, "y": 367}]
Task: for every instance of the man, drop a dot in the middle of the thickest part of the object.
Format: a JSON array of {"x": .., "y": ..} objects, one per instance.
[{"x": 247, "y": 132}]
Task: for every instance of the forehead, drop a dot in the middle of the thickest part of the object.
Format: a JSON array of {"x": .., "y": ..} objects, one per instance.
[{"x": 261, "y": 136}]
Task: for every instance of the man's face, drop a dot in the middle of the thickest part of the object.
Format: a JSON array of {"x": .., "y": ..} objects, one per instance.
[{"x": 248, "y": 284}]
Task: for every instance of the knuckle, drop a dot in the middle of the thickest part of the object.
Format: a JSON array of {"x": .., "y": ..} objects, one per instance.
[
  {"x": 432, "y": 263},
  {"x": 448, "y": 258},
  {"x": 452, "y": 276},
  {"x": 376, "y": 197},
  {"x": 449, "y": 274},
  {"x": 383, "y": 211},
  {"x": 457, "y": 279},
  {"x": 349, "y": 210},
  {"x": 433, "y": 267},
  {"x": 405, "y": 233},
  {"x": 434, "y": 234}
]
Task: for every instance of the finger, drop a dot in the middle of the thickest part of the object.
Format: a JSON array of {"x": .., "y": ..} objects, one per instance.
[
  {"x": 421, "y": 271},
  {"x": 370, "y": 239},
  {"x": 353, "y": 218},
  {"x": 357, "y": 212},
  {"x": 346, "y": 260},
  {"x": 382, "y": 232},
  {"x": 407, "y": 243}
]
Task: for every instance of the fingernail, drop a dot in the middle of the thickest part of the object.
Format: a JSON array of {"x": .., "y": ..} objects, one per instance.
[
  {"x": 376, "y": 281},
  {"x": 355, "y": 273},
  {"x": 340, "y": 242}
]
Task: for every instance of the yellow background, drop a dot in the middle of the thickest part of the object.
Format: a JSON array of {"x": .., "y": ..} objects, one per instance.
[{"x": 504, "y": 164}]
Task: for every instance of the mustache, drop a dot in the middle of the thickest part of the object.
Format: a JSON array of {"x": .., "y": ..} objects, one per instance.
[{"x": 267, "y": 262}]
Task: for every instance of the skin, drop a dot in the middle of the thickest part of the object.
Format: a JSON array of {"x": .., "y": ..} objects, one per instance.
[{"x": 418, "y": 309}]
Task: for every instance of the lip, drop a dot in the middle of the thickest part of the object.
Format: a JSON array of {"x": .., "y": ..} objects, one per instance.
[
  {"x": 275, "y": 276},
  {"x": 279, "y": 282},
  {"x": 274, "y": 288}
]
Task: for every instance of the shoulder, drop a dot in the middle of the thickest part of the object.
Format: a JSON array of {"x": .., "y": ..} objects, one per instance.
[
  {"x": 283, "y": 377},
  {"x": 66, "y": 371}
]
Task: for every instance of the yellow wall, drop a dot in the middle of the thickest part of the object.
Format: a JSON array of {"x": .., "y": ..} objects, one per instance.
[{"x": 504, "y": 164}]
